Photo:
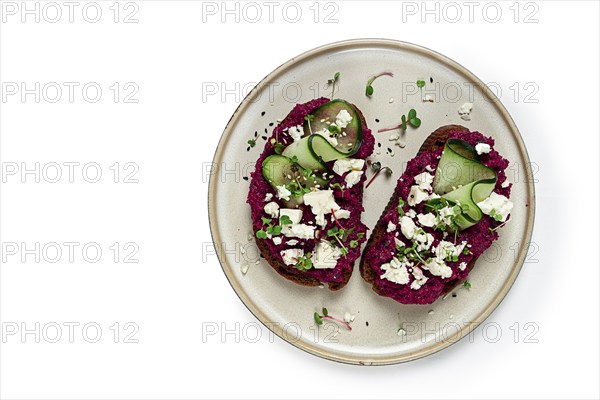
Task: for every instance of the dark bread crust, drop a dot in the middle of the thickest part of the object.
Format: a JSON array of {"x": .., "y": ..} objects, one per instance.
[
  {"x": 433, "y": 142},
  {"x": 291, "y": 273}
]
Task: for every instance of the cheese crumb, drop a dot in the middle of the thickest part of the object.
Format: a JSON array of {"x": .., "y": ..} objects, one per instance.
[
  {"x": 482, "y": 148},
  {"x": 465, "y": 111}
]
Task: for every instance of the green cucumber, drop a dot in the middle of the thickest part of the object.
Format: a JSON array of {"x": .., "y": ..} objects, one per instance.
[
  {"x": 349, "y": 143},
  {"x": 314, "y": 150},
  {"x": 279, "y": 170},
  {"x": 461, "y": 178}
]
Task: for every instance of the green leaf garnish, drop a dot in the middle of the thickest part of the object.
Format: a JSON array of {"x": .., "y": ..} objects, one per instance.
[
  {"x": 261, "y": 234},
  {"x": 318, "y": 319},
  {"x": 412, "y": 114},
  {"x": 325, "y": 312},
  {"x": 369, "y": 90},
  {"x": 285, "y": 220},
  {"x": 332, "y": 82},
  {"x": 252, "y": 142},
  {"x": 467, "y": 284},
  {"x": 279, "y": 147},
  {"x": 420, "y": 84}
]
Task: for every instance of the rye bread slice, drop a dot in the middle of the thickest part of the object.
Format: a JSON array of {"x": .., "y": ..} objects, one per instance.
[
  {"x": 433, "y": 142},
  {"x": 289, "y": 272}
]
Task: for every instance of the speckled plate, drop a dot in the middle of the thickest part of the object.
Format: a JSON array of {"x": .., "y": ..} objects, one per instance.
[{"x": 286, "y": 308}]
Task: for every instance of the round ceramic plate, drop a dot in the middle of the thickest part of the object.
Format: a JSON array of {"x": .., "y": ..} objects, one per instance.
[{"x": 383, "y": 331}]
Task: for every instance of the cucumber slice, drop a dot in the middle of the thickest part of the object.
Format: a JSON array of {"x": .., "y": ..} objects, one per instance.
[
  {"x": 461, "y": 178},
  {"x": 279, "y": 170},
  {"x": 348, "y": 138},
  {"x": 314, "y": 150}
]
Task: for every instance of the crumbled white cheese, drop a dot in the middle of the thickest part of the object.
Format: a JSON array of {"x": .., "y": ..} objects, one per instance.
[
  {"x": 343, "y": 119},
  {"x": 395, "y": 271},
  {"x": 399, "y": 243},
  {"x": 408, "y": 227},
  {"x": 272, "y": 209},
  {"x": 391, "y": 227},
  {"x": 352, "y": 178},
  {"x": 296, "y": 132},
  {"x": 428, "y": 168},
  {"x": 294, "y": 215},
  {"x": 268, "y": 197},
  {"x": 277, "y": 240},
  {"x": 327, "y": 135},
  {"x": 448, "y": 249},
  {"x": 292, "y": 242},
  {"x": 348, "y": 317},
  {"x": 344, "y": 165},
  {"x": 301, "y": 231},
  {"x": 462, "y": 266},
  {"x": 416, "y": 195},
  {"x": 482, "y": 148},
  {"x": 321, "y": 202},
  {"x": 438, "y": 268},
  {"x": 424, "y": 241},
  {"x": 498, "y": 203},
  {"x": 394, "y": 137},
  {"x": 428, "y": 219},
  {"x": 465, "y": 111},
  {"x": 325, "y": 255},
  {"x": 342, "y": 214},
  {"x": 505, "y": 184},
  {"x": 291, "y": 256},
  {"x": 428, "y": 99},
  {"x": 445, "y": 215},
  {"x": 424, "y": 180},
  {"x": 420, "y": 279},
  {"x": 283, "y": 193},
  {"x": 411, "y": 213}
]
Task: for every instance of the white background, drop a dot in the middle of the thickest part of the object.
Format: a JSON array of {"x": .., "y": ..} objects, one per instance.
[{"x": 170, "y": 132}]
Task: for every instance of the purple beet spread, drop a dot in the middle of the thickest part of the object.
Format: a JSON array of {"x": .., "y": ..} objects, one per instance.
[
  {"x": 478, "y": 236},
  {"x": 349, "y": 199}
]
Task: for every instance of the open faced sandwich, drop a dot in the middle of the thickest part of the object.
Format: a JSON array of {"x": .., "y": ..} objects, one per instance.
[
  {"x": 444, "y": 213},
  {"x": 306, "y": 193}
]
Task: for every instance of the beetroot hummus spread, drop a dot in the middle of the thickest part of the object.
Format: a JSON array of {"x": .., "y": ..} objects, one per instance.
[
  {"x": 422, "y": 282},
  {"x": 347, "y": 198}
]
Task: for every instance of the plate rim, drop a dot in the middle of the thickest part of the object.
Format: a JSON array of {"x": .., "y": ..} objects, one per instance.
[{"x": 437, "y": 345}]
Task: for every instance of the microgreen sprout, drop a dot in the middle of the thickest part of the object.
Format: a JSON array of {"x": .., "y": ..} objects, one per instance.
[
  {"x": 279, "y": 147},
  {"x": 376, "y": 166},
  {"x": 268, "y": 228},
  {"x": 308, "y": 118},
  {"x": 495, "y": 215},
  {"x": 467, "y": 284},
  {"x": 332, "y": 82},
  {"x": 338, "y": 186},
  {"x": 319, "y": 319},
  {"x": 400, "y": 208},
  {"x": 285, "y": 220},
  {"x": 304, "y": 263},
  {"x": 369, "y": 90},
  {"x": 251, "y": 142},
  {"x": 406, "y": 120}
]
